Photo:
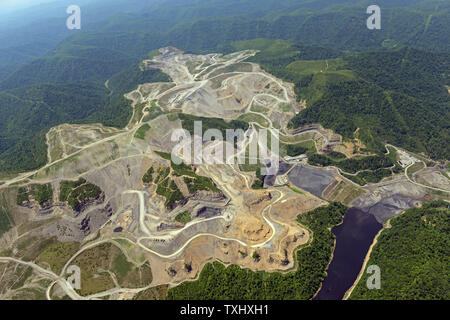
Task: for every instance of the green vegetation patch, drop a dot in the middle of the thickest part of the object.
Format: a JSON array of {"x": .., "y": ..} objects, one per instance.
[
  {"x": 77, "y": 193},
  {"x": 142, "y": 131},
  {"x": 6, "y": 221},
  {"x": 169, "y": 189},
  {"x": 413, "y": 256},
  {"x": 94, "y": 264},
  {"x": 148, "y": 176},
  {"x": 188, "y": 120},
  {"x": 42, "y": 193},
  {"x": 153, "y": 112},
  {"x": 416, "y": 167},
  {"x": 153, "y": 53},
  {"x": 259, "y": 181},
  {"x": 57, "y": 254},
  {"x": 253, "y": 117},
  {"x": 194, "y": 182},
  {"x": 296, "y": 190},
  {"x": 294, "y": 150},
  {"x": 183, "y": 217},
  {"x": 365, "y": 177},
  {"x": 217, "y": 282},
  {"x": 352, "y": 165}
]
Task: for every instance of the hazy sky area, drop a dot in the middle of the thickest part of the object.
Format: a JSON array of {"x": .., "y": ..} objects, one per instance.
[
  {"x": 14, "y": 13},
  {"x": 11, "y": 5}
]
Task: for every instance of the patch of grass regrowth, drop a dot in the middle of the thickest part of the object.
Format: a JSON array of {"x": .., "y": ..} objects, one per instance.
[
  {"x": 138, "y": 112},
  {"x": 142, "y": 131},
  {"x": 296, "y": 190},
  {"x": 121, "y": 266},
  {"x": 249, "y": 167},
  {"x": 253, "y": 117},
  {"x": 258, "y": 108},
  {"x": 91, "y": 263},
  {"x": 153, "y": 53},
  {"x": 153, "y": 112},
  {"x": 6, "y": 220},
  {"x": 183, "y": 217},
  {"x": 416, "y": 167},
  {"x": 445, "y": 174},
  {"x": 24, "y": 273},
  {"x": 57, "y": 254},
  {"x": 172, "y": 116}
]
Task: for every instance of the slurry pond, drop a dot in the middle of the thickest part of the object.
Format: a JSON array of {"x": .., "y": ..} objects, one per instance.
[
  {"x": 311, "y": 179},
  {"x": 353, "y": 240}
]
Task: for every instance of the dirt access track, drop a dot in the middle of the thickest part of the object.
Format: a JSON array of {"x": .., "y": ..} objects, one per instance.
[{"x": 229, "y": 226}]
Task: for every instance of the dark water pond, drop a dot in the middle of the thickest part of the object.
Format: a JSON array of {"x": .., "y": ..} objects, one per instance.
[{"x": 353, "y": 239}]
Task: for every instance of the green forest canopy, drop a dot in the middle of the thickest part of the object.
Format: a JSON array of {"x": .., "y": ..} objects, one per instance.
[
  {"x": 217, "y": 282},
  {"x": 413, "y": 256}
]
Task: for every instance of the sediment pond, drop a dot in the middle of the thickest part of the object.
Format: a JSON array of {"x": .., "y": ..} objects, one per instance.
[{"x": 353, "y": 240}]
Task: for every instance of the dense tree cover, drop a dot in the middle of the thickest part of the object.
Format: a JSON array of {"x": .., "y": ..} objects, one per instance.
[
  {"x": 335, "y": 155},
  {"x": 381, "y": 116},
  {"x": 369, "y": 176},
  {"x": 129, "y": 78},
  {"x": 188, "y": 122},
  {"x": 87, "y": 59},
  {"x": 419, "y": 74},
  {"x": 394, "y": 96},
  {"x": 168, "y": 189},
  {"x": 148, "y": 176},
  {"x": 42, "y": 193},
  {"x": 311, "y": 22},
  {"x": 259, "y": 181},
  {"x": 78, "y": 193},
  {"x": 351, "y": 165},
  {"x": 70, "y": 64},
  {"x": 413, "y": 255},
  {"x": 217, "y": 282},
  {"x": 371, "y": 169},
  {"x": 27, "y": 113},
  {"x": 293, "y": 150}
]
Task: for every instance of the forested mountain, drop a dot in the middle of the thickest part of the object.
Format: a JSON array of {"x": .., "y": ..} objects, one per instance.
[
  {"x": 400, "y": 98},
  {"x": 27, "y": 113},
  {"x": 69, "y": 64},
  {"x": 414, "y": 252},
  {"x": 409, "y": 106}
]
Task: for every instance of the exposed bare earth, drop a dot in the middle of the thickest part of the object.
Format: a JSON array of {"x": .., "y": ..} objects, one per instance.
[{"x": 227, "y": 225}]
